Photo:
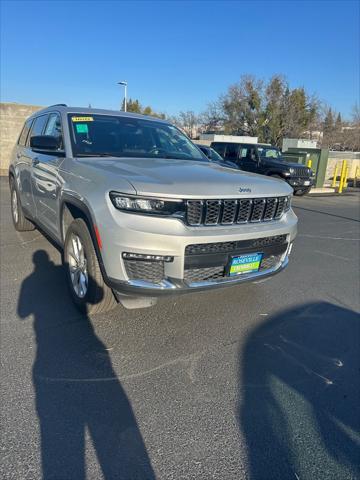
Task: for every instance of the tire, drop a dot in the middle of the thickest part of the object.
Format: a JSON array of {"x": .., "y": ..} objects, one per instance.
[
  {"x": 21, "y": 223},
  {"x": 301, "y": 192},
  {"x": 85, "y": 281}
]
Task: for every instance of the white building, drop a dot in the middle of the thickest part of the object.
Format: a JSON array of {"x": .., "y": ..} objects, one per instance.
[{"x": 207, "y": 138}]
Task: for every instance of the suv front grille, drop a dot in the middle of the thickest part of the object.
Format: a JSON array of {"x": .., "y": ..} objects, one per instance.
[
  {"x": 229, "y": 212},
  {"x": 301, "y": 172}
]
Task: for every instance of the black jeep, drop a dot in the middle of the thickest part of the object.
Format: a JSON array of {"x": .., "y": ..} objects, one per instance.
[{"x": 266, "y": 160}]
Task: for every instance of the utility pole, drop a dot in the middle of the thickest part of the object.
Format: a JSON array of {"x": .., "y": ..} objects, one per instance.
[{"x": 125, "y": 91}]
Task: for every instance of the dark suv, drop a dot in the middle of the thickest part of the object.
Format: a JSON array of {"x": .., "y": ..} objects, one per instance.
[{"x": 266, "y": 160}]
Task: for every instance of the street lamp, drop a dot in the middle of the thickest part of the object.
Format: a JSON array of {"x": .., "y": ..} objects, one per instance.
[{"x": 125, "y": 87}]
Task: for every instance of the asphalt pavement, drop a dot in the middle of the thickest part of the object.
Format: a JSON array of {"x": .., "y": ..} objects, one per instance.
[{"x": 259, "y": 381}]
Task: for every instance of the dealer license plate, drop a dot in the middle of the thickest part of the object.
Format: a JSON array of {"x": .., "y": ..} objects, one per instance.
[{"x": 248, "y": 263}]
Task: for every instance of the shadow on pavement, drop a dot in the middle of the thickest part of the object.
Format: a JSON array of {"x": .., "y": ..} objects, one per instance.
[
  {"x": 78, "y": 394},
  {"x": 300, "y": 405}
]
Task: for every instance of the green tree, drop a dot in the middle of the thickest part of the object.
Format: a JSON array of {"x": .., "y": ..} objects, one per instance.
[
  {"x": 136, "y": 107},
  {"x": 273, "y": 117},
  {"x": 242, "y": 107},
  {"x": 133, "y": 106},
  {"x": 328, "y": 128},
  {"x": 270, "y": 111}
]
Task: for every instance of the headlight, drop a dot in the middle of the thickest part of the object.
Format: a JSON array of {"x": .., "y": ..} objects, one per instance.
[
  {"x": 287, "y": 205},
  {"x": 148, "y": 205},
  {"x": 292, "y": 171}
]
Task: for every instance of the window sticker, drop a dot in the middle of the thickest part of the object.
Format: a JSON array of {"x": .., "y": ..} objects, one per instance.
[
  {"x": 82, "y": 119},
  {"x": 82, "y": 128}
]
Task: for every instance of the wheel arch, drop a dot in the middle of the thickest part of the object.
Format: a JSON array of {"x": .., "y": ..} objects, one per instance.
[{"x": 72, "y": 208}]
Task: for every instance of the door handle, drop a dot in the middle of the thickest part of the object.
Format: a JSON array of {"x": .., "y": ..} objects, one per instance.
[{"x": 35, "y": 161}]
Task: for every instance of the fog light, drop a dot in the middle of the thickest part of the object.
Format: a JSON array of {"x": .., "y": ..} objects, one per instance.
[{"x": 148, "y": 258}]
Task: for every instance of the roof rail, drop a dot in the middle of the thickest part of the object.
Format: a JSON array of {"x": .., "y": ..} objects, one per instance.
[{"x": 58, "y": 105}]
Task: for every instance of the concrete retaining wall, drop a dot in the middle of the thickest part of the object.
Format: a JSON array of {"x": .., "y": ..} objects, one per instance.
[{"x": 12, "y": 118}]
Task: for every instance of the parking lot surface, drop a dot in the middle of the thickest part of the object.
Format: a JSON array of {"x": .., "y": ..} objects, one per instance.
[{"x": 259, "y": 381}]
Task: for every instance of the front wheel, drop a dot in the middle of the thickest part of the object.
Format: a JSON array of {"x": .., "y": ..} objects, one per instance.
[
  {"x": 86, "y": 284},
  {"x": 302, "y": 191}
]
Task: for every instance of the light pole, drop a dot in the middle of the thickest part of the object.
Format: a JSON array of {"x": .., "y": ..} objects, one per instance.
[{"x": 125, "y": 87}]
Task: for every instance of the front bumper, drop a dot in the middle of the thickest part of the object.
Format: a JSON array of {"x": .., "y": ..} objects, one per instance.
[
  {"x": 300, "y": 182},
  {"x": 177, "y": 287},
  {"x": 170, "y": 237}
]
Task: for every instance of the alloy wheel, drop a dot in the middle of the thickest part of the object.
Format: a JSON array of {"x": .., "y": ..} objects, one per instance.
[{"x": 78, "y": 266}]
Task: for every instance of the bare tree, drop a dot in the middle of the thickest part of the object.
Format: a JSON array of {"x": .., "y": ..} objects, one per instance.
[{"x": 188, "y": 122}]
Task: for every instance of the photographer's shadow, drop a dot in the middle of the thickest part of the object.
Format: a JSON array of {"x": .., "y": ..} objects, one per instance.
[
  {"x": 78, "y": 394},
  {"x": 299, "y": 409}
]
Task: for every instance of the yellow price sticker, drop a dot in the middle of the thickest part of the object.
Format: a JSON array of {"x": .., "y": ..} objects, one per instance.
[{"x": 82, "y": 119}]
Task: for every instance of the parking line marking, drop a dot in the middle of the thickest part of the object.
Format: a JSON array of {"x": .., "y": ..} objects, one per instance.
[{"x": 333, "y": 255}]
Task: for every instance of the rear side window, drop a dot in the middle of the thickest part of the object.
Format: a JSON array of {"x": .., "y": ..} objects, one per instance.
[
  {"x": 232, "y": 150},
  {"x": 243, "y": 152},
  {"x": 38, "y": 125},
  {"x": 25, "y": 132},
  {"x": 248, "y": 153},
  {"x": 53, "y": 127}
]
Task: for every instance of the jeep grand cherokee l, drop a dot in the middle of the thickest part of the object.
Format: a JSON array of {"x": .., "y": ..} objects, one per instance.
[
  {"x": 266, "y": 160},
  {"x": 139, "y": 211}
]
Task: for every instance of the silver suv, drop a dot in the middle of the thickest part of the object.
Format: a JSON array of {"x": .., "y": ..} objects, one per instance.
[{"x": 140, "y": 211}]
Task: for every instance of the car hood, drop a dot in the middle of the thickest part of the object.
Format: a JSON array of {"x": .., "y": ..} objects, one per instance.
[
  {"x": 183, "y": 178},
  {"x": 282, "y": 164}
]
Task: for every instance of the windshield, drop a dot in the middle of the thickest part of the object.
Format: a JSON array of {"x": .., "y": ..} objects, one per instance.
[
  {"x": 215, "y": 156},
  {"x": 105, "y": 135},
  {"x": 269, "y": 152}
]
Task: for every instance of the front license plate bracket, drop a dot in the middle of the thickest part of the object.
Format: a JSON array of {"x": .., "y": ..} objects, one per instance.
[{"x": 244, "y": 264}]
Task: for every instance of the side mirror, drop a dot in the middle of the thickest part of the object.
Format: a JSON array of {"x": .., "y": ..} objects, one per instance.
[{"x": 45, "y": 143}]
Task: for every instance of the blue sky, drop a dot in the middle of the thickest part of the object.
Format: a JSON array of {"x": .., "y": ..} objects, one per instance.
[{"x": 175, "y": 55}]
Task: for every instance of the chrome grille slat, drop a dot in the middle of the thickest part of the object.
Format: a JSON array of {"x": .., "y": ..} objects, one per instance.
[
  {"x": 194, "y": 211},
  {"x": 280, "y": 208},
  {"x": 271, "y": 204},
  {"x": 228, "y": 212},
  {"x": 212, "y": 212},
  {"x": 244, "y": 212},
  {"x": 257, "y": 213}
]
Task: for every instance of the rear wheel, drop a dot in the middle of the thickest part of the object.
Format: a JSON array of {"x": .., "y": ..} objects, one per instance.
[
  {"x": 86, "y": 284},
  {"x": 21, "y": 223}
]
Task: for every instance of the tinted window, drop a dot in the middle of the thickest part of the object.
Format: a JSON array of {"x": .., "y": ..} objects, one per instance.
[
  {"x": 53, "y": 127},
  {"x": 206, "y": 151},
  {"x": 248, "y": 154},
  {"x": 24, "y": 133},
  {"x": 232, "y": 150},
  {"x": 219, "y": 147},
  {"x": 38, "y": 125},
  {"x": 129, "y": 137},
  {"x": 243, "y": 152},
  {"x": 269, "y": 152},
  {"x": 215, "y": 156}
]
